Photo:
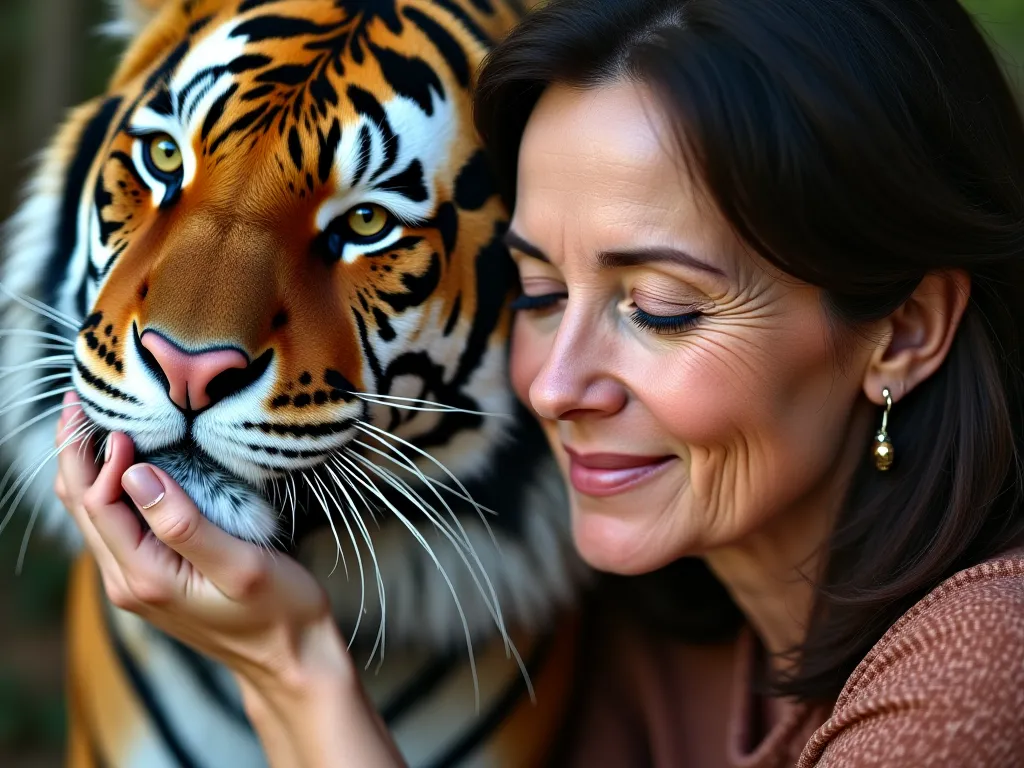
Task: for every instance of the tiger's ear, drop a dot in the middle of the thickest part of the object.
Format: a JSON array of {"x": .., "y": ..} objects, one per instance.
[{"x": 128, "y": 17}]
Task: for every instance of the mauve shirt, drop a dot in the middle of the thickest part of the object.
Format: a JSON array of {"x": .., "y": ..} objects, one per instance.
[{"x": 944, "y": 687}]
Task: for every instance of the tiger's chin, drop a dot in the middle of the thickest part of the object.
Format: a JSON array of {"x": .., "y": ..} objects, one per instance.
[{"x": 225, "y": 500}]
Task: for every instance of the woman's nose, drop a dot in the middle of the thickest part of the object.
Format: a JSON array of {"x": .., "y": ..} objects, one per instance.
[{"x": 575, "y": 381}]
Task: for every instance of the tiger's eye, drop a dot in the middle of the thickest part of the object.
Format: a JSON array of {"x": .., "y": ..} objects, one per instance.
[
  {"x": 367, "y": 220},
  {"x": 165, "y": 154}
]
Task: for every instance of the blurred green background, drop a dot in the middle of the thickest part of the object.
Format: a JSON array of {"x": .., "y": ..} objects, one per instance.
[{"x": 51, "y": 57}]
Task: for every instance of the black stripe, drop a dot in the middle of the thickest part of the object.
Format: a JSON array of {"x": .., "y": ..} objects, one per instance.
[
  {"x": 240, "y": 125},
  {"x": 161, "y": 73},
  {"x": 200, "y": 84},
  {"x": 110, "y": 262},
  {"x": 249, "y": 5},
  {"x": 278, "y": 28},
  {"x": 100, "y": 409},
  {"x": 199, "y": 25},
  {"x": 129, "y": 165},
  {"x": 202, "y": 669},
  {"x": 89, "y": 144},
  {"x": 303, "y": 430},
  {"x": 474, "y": 29},
  {"x": 364, "y": 155},
  {"x": 417, "y": 689},
  {"x": 216, "y": 111},
  {"x": 97, "y": 383},
  {"x": 453, "y": 318},
  {"x": 295, "y": 148},
  {"x": 446, "y": 45},
  {"x": 369, "y": 354},
  {"x": 149, "y": 702},
  {"x": 501, "y": 710},
  {"x": 161, "y": 102},
  {"x": 406, "y": 243},
  {"x": 328, "y": 150},
  {"x": 410, "y": 77},
  {"x": 366, "y": 104},
  {"x": 408, "y": 183},
  {"x": 495, "y": 278}
]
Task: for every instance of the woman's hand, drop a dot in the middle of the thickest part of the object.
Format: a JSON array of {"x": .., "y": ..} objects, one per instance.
[{"x": 259, "y": 613}]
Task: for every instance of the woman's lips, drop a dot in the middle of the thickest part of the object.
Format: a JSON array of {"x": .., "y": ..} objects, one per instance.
[{"x": 606, "y": 474}]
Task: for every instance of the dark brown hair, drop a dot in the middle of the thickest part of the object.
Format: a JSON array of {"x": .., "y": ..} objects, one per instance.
[{"x": 857, "y": 146}]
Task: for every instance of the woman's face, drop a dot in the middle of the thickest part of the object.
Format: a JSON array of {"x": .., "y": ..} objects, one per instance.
[{"x": 691, "y": 393}]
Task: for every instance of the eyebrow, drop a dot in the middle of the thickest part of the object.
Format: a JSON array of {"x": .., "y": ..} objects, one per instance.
[
  {"x": 635, "y": 257},
  {"x": 619, "y": 259},
  {"x": 513, "y": 240}
]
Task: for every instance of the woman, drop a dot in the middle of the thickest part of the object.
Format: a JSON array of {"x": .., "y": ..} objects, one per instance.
[{"x": 772, "y": 258}]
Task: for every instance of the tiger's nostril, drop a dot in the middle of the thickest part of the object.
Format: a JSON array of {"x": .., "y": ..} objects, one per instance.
[{"x": 195, "y": 380}]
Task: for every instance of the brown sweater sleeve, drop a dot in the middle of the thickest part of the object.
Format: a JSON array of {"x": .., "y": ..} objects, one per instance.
[{"x": 943, "y": 688}]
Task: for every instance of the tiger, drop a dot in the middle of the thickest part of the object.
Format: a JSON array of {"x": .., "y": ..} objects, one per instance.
[{"x": 272, "y": 254}]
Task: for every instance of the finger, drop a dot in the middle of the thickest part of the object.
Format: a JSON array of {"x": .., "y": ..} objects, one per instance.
[
  {"x": 237, "y": 568},
  {"x": 150, "y": 570},
  {"x": 70, "y": 487},
  {"x": 76, "y": 461}
]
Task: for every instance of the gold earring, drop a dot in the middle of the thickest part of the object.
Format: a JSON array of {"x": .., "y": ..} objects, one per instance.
[{"x": 882, "y": 449}]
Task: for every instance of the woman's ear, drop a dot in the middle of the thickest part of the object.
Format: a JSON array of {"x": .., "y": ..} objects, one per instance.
[
  {"x": 128, "y": 17},
  {"x": 918, "y": 335}
]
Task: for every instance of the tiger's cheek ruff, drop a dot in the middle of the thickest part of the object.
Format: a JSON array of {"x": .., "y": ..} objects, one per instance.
[{"x": 237, "y": 508}]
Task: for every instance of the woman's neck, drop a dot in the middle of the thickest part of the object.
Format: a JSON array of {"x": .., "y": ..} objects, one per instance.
[
  {"x": 772, "y": 575},
  {"x": 774, "y": 592}
]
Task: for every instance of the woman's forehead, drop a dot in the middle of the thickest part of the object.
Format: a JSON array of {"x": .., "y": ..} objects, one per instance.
[{"x": 603, "y": 165}]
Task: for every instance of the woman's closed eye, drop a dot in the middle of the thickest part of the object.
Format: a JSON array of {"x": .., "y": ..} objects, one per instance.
[
  {"x": 540, "y": 293},
  {"x": 665, "y": 325},
  {"x": 665, "y": 318}
]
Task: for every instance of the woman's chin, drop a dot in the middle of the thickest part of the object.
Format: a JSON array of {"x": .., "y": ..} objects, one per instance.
[{"x": 615, "y": 544}]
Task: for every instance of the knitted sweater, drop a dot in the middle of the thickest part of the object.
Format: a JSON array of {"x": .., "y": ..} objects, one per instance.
[{"x": 943, "y": 687}]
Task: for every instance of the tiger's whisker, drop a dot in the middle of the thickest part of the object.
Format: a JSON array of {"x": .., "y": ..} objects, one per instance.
[
  {"x": 9, "y": 332},
  {"x": 355, "y": 546},
  {"x": 383, "y": 437},
  {"x": 46, "y": 345},
  {"x": 407, "y": 464},
  {"x": 490, "y": 597},
  {"x": 295, "y": 501},
  {"x": 39, "y": 362},
  {"x": 24, "y": 480},
  {"x": 28, "y": 534},
  {"x": 339, "y": 555},
  {"x": 411, "y": 467},
  {"x": 421, "y": 405},
  {"x": 83, "y": 442},
  {"x": 411, "y": 493},
  {"x": 35, "y": 398},
  {"x": 444, "y": 574},
  {"x": 35, "y": 383},
  {"x": 379, "y": 641},
  {"x": 34, "y": 420},
  {"x": 39, "y": 308}
]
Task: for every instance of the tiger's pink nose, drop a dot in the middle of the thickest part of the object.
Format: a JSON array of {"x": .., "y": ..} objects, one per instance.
[{"x": 189, "y": 374}]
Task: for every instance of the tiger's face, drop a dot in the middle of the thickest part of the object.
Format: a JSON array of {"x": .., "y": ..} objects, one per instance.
[{"x": 287, "y": 239}]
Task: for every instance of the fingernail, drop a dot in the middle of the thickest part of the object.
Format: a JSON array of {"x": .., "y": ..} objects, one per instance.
[
  {"x": 108, "y": 449},
  {"x": 142, "y": 484}
]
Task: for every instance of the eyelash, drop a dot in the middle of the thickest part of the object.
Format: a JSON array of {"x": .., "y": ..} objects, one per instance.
[
  {"x": 665, "y": 326},
  {"x": 526, "y": 303}
]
